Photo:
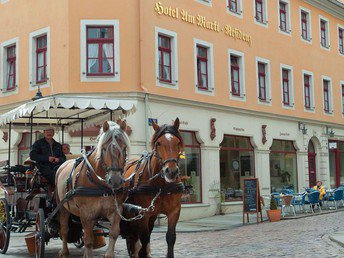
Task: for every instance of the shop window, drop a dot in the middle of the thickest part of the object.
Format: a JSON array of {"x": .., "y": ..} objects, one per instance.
[
  {"x": 24, "y": 145},
  {"x": 324, "y": 33},
  {"x": 287, "y": 86},
  {"x": 263, "y": 80},
  {"x": 236, "y": 164},
  {"x": 308, "y": 91},
  {"x": 341, "y": 40},
  {"x": 336, "y": 159},
  {"x": 100, "y": 51},
  {"x": 284, "y": 16},
  {"x": 306, "y": 25},
  {"x": 204, "y": 67},
  {"x": 40, "y": 57},
  {"x": 9, "y": 74},
  {"x": 166, "y": 58},
  {"x": 327, "y": 95},
  {"x": 283, "y": 166},
  {"x": 261, "y": 12},
  {"x": 190, "y": 169}
]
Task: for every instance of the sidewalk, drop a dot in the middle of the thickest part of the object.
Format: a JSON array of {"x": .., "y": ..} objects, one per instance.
[{"x": 214, "y": 223}]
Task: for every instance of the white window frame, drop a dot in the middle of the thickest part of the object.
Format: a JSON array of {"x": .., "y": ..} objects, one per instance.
[
  {"x": 312, "y": 104},
  {"x": 339, "y": 26},
  {"x": 309, "y": 25},
  {"x": 330, "y": 95},
  {"x": 4, "y": 1},
  {"x": 265, "y": 14},
  {"x": 32, "y": 58},
  {"x": 328, "y": 37},
  {"x": 3, "y": 65},
  {"x": 239, "y": 13},
  {"x": 210, "y": 57},
  {"x": 174, "y": 58},
  {"x": 242, "y": 75},
  {"x": 268, "y": 100},
  {"x": 205, "y": 2},
  {"x": 341, "y": 96},
  {"x": 288, "y": 20},
  {"x": 83, "y": 55},
  {"x": 291, "y": 86}
]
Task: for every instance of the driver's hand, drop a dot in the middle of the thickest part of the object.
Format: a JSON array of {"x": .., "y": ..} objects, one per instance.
[
  {"x": 51, "y": 159},
  {"x": 57, "y": 160}
]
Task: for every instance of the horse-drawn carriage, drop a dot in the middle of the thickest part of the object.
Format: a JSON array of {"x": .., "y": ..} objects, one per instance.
[{"x": 98, "y": 185}]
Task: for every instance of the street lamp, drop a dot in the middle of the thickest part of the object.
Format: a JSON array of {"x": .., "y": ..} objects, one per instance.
[
  {"x": 38, "y": 95},
  {"x": 329, "y": 131},
  {"x": 302, "y": 127}
]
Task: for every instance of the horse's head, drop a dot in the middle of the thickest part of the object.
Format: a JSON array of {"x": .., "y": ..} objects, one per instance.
[
  {"x": 167, "y": 145},
  {"x": 112, "y": 150}
]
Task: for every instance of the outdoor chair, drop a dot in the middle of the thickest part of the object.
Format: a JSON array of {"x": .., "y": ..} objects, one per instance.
[
  {"x": 276, "y": 196},
  {"x": 287, "y": 201},
  {"x": 300, "y": 201},
  {"x": 336, "y": 197},
  {"x": 313, "y": 199},
  {"x": 265, "y": 201}
]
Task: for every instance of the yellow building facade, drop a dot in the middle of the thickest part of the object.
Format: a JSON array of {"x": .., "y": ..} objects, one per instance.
[{"x": 257, "y": 84}]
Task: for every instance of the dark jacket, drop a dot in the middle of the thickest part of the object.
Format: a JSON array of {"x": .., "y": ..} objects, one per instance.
[{"x": 41, "y": 150}]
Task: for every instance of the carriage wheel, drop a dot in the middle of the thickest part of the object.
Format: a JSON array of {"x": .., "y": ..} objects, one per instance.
[
  {"x": 40, "y": 234},
  {"x": 5, "y": 225}
]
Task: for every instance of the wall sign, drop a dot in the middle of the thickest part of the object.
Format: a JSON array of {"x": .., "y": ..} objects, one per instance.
[{"x": 202, "y": 21}]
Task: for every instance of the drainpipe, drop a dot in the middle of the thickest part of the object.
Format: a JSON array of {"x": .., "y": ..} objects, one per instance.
[{"x": 141, "y": 74}]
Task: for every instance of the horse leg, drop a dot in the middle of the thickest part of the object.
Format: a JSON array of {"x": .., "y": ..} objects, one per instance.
[
  {"x": 113, "y": 234},
  {"x": 133, "y": 246},
  {"x": 88, "y": 225},
  {"x": 151, "y": 226},
  {"x": 171, "y": 232},
  {"x": 144, "y": 238},
  {"x": 64, "y": 217}
]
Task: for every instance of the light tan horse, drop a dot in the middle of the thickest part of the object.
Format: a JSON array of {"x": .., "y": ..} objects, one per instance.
[
  {"x": 155, "y": 183},
  {"x": 100, "y": 170}
]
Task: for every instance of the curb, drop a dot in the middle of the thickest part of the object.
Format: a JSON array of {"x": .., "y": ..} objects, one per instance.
[
  {"x": 311, "y": 215},
  {"x": 334, "y": 239}
]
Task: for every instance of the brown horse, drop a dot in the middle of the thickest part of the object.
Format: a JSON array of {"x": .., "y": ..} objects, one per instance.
[
  {"x": 156, "y": 185},
  {"x": 95, "y": 176}
]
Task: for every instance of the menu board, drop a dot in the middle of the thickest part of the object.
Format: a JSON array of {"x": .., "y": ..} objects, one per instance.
[{"x": 250, "y": 195}]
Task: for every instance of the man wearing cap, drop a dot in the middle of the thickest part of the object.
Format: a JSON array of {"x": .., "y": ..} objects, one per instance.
[{"x": 48, "y": 154}]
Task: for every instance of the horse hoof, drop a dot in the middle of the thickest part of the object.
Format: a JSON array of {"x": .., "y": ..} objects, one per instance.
[
  {"x": 63, "y": 254},
  {"x": 109, "y": 256}
]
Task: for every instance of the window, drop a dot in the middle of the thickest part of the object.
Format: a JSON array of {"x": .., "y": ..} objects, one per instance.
[
  {"x": 39, "y": 57},
  {"x": 305, "y": 17},
  {"x": 11, "y": 68},
  {"x": 236, "y": 164},
  {"x": 283, "y": 16},
  {"x": 308, "y": 90},
  {"x": 206, "y": 2},
  {"x": 324, "y": 33},
  {"x": 9, "y": 64},
  {"x": 263, "y": 80},
  {"x": 100, "y": 51},
  {"x": 204, "y": 74},
  {"x": 190, "y": 168},
  {"x": 237, "y": 74},
  {"x": 166, "y": 59},
  {"x": 283, "y": 166},
  {"x": 327, "y": 95},
  {"x": 233, "y": 6},
  {"x": 341, "y": 40},
  {"x": 261, "y": 12},
  {"x": 286, "y": 86}
]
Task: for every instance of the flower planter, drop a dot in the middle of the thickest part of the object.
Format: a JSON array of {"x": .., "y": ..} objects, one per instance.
[{"x": 274, "y": 215}]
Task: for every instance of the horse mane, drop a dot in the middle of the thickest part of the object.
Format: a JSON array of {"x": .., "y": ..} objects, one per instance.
[
  {"x": 104, "y": 137},
  {"x": 166, "y": 129}
]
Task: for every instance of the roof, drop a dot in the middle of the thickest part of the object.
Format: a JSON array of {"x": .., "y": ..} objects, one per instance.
[{"x": 68, "y": 111}]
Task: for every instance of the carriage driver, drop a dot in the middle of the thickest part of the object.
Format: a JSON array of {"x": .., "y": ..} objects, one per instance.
[{"x": 48, "y": 154}]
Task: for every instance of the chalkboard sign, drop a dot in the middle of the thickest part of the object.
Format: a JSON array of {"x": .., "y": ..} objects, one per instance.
[
  {"x": 251, "y": 198},
  {"x": 250, "y": 195}
]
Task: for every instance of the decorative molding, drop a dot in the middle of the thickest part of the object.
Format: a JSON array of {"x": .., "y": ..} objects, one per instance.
[
  {"x": 264, "y": 140},
  {"x": 332, "y": 7},
  {"x": 212, "y": 128},
  {"x": 5, "y": 136}
]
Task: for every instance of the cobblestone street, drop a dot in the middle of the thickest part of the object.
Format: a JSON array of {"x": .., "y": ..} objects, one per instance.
[{"x": 306, "y": 237}]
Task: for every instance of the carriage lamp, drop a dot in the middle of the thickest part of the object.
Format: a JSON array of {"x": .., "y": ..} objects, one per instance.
[
  {"x": 38, "y": 95},
  {"x": 329, "y": 131},
  {"x": 302, "y": 127}
]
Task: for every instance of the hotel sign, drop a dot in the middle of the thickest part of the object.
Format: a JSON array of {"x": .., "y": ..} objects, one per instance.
[{"x": 202, "y": 21}]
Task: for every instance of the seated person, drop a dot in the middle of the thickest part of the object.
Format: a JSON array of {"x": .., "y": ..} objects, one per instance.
[
  {"x": 66, "y": 149},
  {"x": 48, "y": 154},
  {"x": 321, "y": 189}
]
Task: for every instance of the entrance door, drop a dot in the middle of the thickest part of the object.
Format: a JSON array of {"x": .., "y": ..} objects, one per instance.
[{"x": 312, "y": 171}]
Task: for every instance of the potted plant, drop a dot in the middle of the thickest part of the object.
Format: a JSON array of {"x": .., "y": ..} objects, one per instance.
[{"x": 274, "y": 213}]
